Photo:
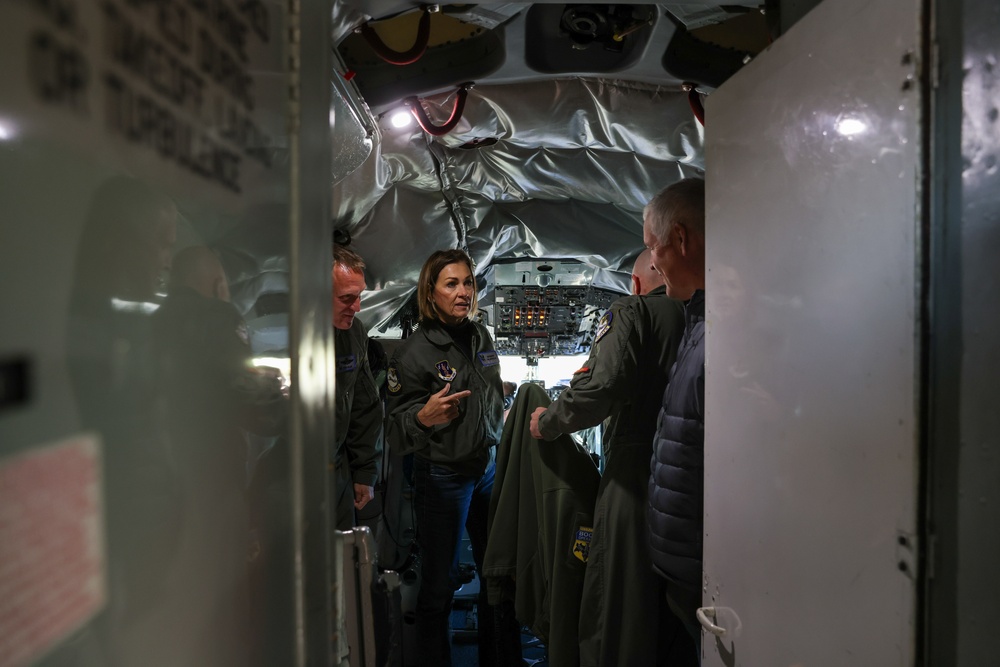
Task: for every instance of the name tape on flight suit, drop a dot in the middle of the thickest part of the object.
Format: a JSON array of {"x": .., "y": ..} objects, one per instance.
[{"x": 346, "y": 363}]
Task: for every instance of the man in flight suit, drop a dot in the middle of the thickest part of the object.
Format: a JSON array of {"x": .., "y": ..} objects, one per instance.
[
  {"x": 357, "y": 451},
  {"x": 623, "y": 381},
  {"x": 206, "y": 360},
  {"x": 214, "y": 396}
]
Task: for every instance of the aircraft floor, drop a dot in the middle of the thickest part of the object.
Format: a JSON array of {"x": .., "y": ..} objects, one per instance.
[{"x": 465, "y": 651}]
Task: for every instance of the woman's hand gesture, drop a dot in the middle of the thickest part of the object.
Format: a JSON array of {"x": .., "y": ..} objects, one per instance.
[{"x": 441, "y": 407}]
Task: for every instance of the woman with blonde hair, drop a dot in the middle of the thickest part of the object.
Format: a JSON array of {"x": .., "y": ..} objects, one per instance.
[{"x": 446, "y": 407}]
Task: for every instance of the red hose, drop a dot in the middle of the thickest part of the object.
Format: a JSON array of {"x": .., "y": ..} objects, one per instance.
[
  {"x": 694, "y": 99},
  {"x": 400, "y": 57},
  {"x": 425, "y": 122}
]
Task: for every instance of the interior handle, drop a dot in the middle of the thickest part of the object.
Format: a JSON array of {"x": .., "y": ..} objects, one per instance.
[{"x": 706, "y": 616}]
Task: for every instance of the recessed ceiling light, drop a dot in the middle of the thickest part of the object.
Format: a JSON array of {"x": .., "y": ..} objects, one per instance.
[{"x": 401, "y": 118}]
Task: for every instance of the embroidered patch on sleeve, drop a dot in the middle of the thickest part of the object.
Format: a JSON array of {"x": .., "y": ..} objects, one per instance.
[
  {"x": 604, "y": 326},
  {"x": 489, "y": 358},
  {"x": 392, "y": 381},
  {"x": 242, "y": 333},
  {"x": 445, "y": 371},
  {"x": 346, "y": 363},
  {"x": 581, "y": 545}
]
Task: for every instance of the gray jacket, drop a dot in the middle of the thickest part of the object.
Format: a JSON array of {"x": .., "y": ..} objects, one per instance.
[{"x": 541, "y": 526}]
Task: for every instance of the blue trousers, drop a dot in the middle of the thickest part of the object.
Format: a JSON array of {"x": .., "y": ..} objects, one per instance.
[{"x": 447, "y": 502}]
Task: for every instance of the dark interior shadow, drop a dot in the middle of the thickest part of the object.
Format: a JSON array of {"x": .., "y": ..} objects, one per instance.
[{"x": 728, "y": 657}]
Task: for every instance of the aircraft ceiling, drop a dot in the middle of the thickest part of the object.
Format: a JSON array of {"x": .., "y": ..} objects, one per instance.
[{"x": 577, "y": 116}]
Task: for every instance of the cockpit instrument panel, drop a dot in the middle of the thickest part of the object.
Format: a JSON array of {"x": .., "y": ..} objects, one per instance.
[{"x": 535, "y": 321}]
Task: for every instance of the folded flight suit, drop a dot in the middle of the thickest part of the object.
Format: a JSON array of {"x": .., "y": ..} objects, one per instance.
[{"x": 541, "y": 523}]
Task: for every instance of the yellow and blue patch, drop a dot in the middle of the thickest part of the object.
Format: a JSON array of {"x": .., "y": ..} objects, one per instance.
[{"x": 581, "y": 543}]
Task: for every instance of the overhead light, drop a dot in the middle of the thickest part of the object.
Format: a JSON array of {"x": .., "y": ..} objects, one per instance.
[
  {"x": 401, "y": 118},
  {"x": 851, "y": 126},
  {"x": 138, "y": 307}
]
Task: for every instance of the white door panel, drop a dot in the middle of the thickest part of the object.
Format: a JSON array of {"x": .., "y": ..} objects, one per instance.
[{"x": 812, "y": 155}]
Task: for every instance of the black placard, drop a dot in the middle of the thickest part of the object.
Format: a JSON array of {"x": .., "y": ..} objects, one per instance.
[{"x": 15, "y": 382}]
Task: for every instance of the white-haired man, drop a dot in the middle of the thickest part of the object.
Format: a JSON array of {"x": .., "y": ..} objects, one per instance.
[{"x": 674, "y": 231}]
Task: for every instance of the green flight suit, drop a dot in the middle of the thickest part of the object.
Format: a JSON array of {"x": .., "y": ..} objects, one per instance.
[
  {"x": 357, "y": 451},
  {"x": 427, "y": 361},
  {"x": 623, "y": 379},
  {"x": 541, "y": 522}
]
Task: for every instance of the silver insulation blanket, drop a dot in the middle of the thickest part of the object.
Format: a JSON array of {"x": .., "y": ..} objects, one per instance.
[{"x": 573, "y": 164}]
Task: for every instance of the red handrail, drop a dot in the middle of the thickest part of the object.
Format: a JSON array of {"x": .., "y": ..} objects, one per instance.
[
  {"x": 407, "y": 57},
  {"x": 424, "y": 120},
  {"x": 694, "y": 99}
]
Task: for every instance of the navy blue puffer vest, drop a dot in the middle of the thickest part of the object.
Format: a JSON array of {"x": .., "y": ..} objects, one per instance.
[{"x": 677, "y": 480}]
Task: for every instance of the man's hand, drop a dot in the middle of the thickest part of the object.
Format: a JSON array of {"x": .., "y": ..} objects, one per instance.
[
  {"x": 441, "y": 407},
  {"x": 280, "y": 381},
  {"x": 535, "y": 416},
  {"x": 362, "y": 494}
]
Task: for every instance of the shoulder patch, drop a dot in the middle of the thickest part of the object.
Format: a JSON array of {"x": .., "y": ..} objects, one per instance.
[
  {"x": 392, "y": 381},
  {"x": 581, "y": 543},
  {"x": 445, "y": 371},
  {"x": 489, "y": 358},
  {"x": 346, "y": 363},
  {"x": 604, "y": 326},
  {"x": 242, "y": 333}
]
